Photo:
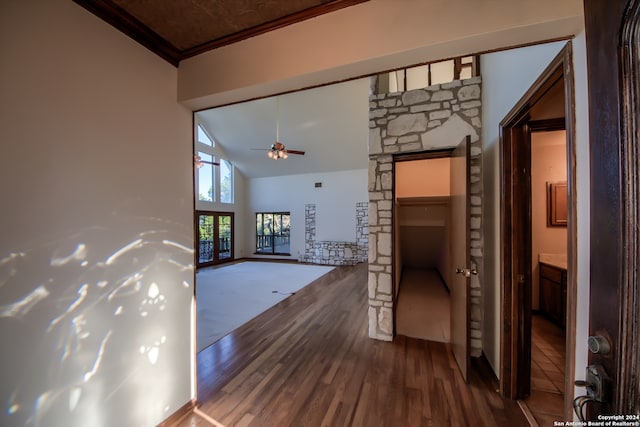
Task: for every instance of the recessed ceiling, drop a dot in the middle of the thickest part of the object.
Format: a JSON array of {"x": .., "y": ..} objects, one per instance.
[
  {"x": 178, "y": 29},
  {"x": 329, "y": 123}
]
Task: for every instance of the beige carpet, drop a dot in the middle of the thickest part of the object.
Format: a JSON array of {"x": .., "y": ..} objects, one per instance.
[
  {"x": 423, "y": 306},
  {"x": 231, "y": 295}
]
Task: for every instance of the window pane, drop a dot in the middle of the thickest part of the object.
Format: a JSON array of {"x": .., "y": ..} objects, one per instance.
[
  {"x": 282, "y": 245},
  {"x": 258, "y": 223},
  {"x": 465, "y": 73},
  {"x": 417, "y": 77},
  {"x": 224, "y": 236},
  {"x": 272, "y": 233},
  {"x": 264, "y": 233},
  {"x": 226, "y": 181},
  {"x": 205, "y": 178},
  {"x": 204, "y": 138},
  {"x": 205, "y": 238},
  {"x": 441, "y": 72}
]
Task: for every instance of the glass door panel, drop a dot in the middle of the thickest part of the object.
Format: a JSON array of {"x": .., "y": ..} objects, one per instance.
[
  {"x": 224, "y": 237},
  {"x": 205, "y": 238},
  {"x": 214, "y": 238}
]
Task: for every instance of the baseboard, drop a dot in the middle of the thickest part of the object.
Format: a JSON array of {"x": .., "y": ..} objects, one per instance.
[
  {"x": 182, "y": 412},
  {"x": 484, "y": 364},
  {"x": 274, "y": 259}
]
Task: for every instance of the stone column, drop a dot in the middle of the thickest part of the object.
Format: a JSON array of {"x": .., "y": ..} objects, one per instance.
[
  {"x": 436, "y": 117},
  {"x": 309, "y": 231}
]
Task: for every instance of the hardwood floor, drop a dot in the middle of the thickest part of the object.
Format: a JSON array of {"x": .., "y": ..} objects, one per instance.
[{"x": 309, "y": 362}]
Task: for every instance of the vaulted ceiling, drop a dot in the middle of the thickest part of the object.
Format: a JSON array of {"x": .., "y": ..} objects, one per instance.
[
  {"x": 329, "y": 123},
  {"x": 179, "y": 29}
]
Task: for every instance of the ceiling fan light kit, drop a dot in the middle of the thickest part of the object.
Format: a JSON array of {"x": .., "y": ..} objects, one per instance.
[
  {"x": 277, "y": 151},
  {"x": 198, "y": 162}
]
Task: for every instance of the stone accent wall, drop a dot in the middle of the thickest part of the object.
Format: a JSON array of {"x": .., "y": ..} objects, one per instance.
[
  {"x": 436, "y": 117},
  {"x": 333, "y": 252},
  {"x": 362, "y": 230},
  {"x": 309, "y": 230}
]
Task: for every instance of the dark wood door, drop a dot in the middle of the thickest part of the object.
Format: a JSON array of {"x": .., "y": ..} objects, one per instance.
[{"x": 612, "y": 36}]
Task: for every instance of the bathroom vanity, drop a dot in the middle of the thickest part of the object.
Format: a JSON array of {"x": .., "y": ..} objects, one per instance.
[{"x": 553, "y": 287}]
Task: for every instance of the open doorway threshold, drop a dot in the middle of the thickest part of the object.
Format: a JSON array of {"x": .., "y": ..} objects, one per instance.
[{"x": 423, "y": 309}]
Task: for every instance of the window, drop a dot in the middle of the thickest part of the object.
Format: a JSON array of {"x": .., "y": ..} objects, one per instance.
[
  {"x": 204, "y": 138},
  {"x": 433, "y": 73},
  {"x": 273, "y": 231},
  {"x": 206, "y": 178},
  {"x": 226, "y": 181},
  {"x": 214, "y": 183}
]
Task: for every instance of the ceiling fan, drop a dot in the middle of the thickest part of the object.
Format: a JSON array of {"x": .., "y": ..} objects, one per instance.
[
  {"x": 197, "y": 160},
  {"x": 277, "y": 149}
]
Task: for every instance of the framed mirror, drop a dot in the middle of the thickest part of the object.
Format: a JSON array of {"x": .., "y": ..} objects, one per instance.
[{"x": 557, "y": 204}]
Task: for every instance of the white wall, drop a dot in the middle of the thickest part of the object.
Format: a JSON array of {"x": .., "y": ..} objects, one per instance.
[
  {"x": 335, "y": 204},
  {"x": 423, "y": 178},
  {"x": 583, "y": 206},
  {"x": 506, "y": 76},
  {"x": 96, "y": 275},
  {"x": 367, "y": 38}
]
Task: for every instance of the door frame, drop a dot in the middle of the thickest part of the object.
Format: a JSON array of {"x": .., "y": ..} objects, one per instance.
[
  {"x": 437, "y": 153},
  {"x": 216, "y": 235},
  {"x": 515, "y": 220},
  {"x": 612, "y": 31},
  {"x": 449, "y": 152}
]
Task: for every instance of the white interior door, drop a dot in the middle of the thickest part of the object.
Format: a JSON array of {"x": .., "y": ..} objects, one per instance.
[{"x": 460, "y": 255}]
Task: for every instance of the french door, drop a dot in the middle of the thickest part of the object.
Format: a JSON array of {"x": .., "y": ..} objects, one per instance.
[{"x": 214, "y": 237}]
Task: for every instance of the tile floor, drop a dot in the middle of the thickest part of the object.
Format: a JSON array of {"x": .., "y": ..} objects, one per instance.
[{"x": 547, "y": 371}]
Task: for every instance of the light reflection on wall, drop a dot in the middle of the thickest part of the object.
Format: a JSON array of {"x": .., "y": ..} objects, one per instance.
[{"x": 86, "y": 325}]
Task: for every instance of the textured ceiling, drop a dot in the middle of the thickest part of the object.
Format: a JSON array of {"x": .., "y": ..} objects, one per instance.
[{"x": 178, "y": 29}]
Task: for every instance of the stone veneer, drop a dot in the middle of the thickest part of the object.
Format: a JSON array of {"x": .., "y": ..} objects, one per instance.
[
  {"x": 436, "y": 117},
  {"x": 333, "y": 252},
  {"x": 362, "y": 231}
]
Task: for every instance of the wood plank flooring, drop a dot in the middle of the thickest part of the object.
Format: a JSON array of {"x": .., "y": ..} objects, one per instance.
[{"x": 308, "y": 361}]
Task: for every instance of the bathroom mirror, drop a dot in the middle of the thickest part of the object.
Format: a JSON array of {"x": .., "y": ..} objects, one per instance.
[{"x": 557, "y": 204}]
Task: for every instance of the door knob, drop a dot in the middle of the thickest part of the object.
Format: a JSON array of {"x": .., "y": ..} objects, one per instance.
[
  {"x": 599, "y": 345},
  {"x": 466, "y": 271}
]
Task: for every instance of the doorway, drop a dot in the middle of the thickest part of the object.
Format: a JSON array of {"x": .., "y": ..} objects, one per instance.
[
  {"x": 549, "y": 271},
  {"x": 457, "y": 167},
  {"x": 534, "y": 280},
  {"x": 422, "y": 248},
  {"x": 214, "y": 237}
]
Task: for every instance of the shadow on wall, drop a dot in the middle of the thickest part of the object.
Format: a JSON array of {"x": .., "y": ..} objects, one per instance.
[{"x": 82, "y": 324}]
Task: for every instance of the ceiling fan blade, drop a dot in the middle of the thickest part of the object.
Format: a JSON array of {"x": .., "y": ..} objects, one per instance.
[{"x": 294, "y": 152}]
